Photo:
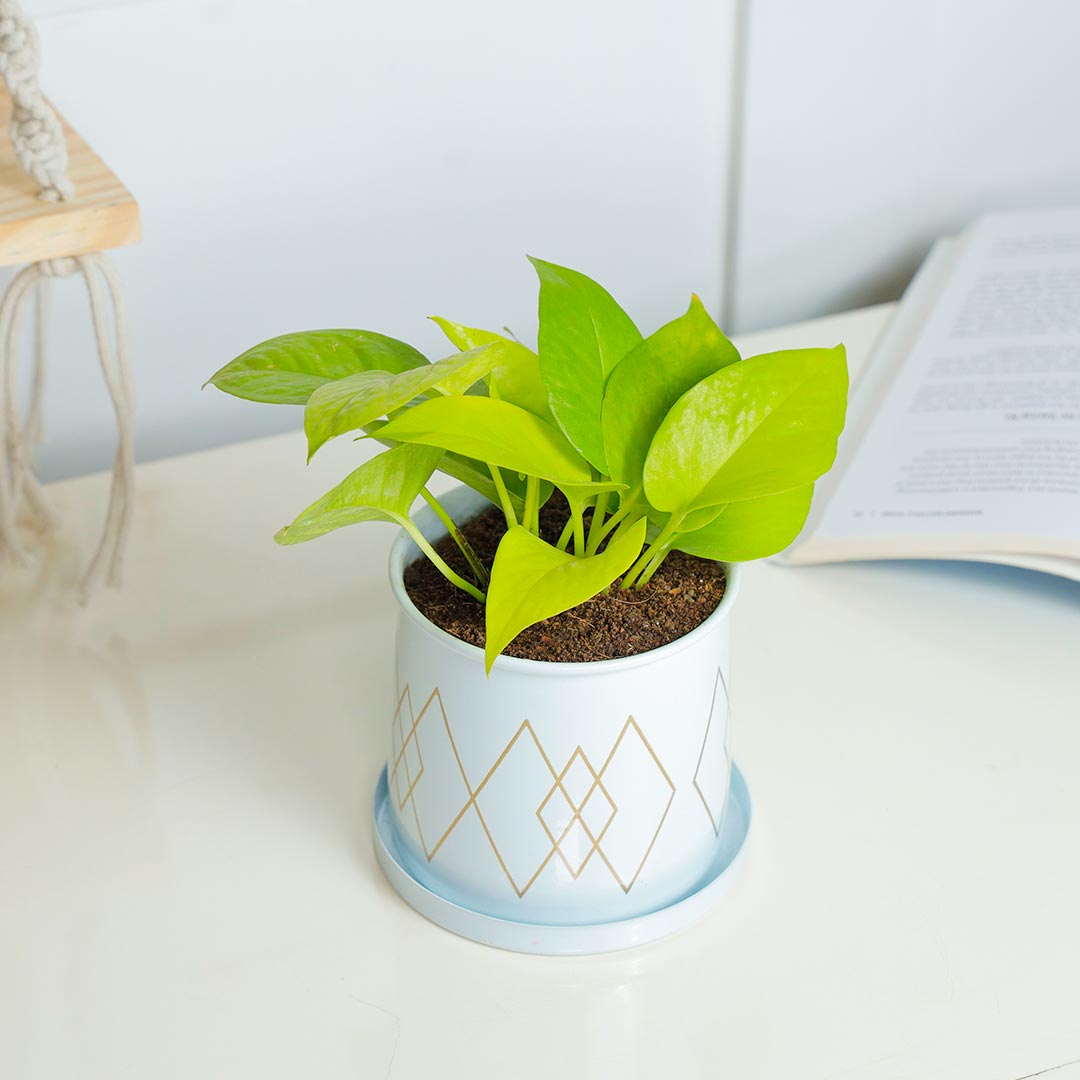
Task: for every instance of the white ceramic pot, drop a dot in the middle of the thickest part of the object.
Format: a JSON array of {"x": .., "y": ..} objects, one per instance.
[{"x": 558, "y": 794}]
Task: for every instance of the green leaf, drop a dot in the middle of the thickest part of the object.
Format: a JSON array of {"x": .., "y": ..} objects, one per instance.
[
  {"x": 492, "y": 431},
  {"x": 517, "y": 379},
  {"x": 382, "y": 489},
  {"x": 348, "y": 404},
  {"x": 475, "y": 474},
  {"x": 592, "y": 487},
  {"x": 651, "y": 378},
  {"x": 516, "y": 374},
  {"x": 583, "y": 335},
  {"x": 695, "y": 519},
  {"x": 758, "y": 427},
  {"x": 750, "y": 529},
  {"x": 465, "y": 337},
  {"x": 286, "y": 370},
  {"x": 531, "y": 580},
  {"x": 583, "y": 495}
]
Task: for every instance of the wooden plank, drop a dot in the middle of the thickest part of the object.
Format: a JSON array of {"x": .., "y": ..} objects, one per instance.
[{"x": 103, "y": 214}]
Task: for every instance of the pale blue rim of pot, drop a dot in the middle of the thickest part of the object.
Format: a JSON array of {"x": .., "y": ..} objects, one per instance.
[{"x": 462, "y": 502}]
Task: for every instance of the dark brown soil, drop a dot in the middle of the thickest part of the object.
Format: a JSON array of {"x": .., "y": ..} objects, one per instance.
[{"x": 680, "y": 596}]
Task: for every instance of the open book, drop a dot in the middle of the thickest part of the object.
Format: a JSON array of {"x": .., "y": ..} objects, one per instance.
[{"x": 963, "y": 436}]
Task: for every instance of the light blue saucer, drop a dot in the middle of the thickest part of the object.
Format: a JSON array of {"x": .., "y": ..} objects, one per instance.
[{"x": 571, "y": 940}]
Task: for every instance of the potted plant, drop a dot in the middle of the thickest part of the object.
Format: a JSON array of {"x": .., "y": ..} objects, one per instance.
[{"x": 558, "y": 776}]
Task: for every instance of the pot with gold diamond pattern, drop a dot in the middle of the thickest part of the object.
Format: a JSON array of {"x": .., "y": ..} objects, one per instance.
[{"x": 551, "y": 793}]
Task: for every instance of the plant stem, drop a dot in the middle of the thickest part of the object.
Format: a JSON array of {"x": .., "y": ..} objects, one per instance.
[
  {"x": 631, "y": 575},
  {"x": 454, "y": 579},
  {"x": 656, "y": 550},
  {"x": 654, "y": 564},
  {"x": 504, "y": 496},
  {"x": 464, "y": 546},
  {"x": 578, "y": 523},
  {"x": 599, "y": 510},
  {"x": 531, "y": 517},
  {"x": 628, "y": 504},
  {"x": 564, "y": 536}
]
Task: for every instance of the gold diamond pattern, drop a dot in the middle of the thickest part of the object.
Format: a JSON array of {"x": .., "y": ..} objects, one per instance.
[
  {"x": 406, "y": 747},
  {"x": 715, "y": 820},
  {"x": 631, "y": 723},
  {"x": 575, "y": 826}
]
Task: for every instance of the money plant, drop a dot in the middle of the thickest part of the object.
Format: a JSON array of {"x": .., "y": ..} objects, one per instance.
[{"x": 673, "y": 441}]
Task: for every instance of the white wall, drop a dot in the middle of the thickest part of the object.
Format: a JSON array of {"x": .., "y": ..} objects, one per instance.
[
  {"x": 873, "y": 126},
  {"x": 334, "y": 163}
]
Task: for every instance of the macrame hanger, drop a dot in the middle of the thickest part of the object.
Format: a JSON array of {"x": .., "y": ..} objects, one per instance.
[{"x": 38, "y": 140}]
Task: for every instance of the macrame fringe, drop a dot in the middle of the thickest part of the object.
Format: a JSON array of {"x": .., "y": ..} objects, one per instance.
[{"x": 22, "y": 500}]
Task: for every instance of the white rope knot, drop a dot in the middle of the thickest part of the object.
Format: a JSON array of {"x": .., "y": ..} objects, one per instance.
[
  {"x": 36, "y": 133},
  {"x": 61, "y": 268}
]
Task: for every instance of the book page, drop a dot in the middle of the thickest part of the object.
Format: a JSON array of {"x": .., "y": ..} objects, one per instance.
[{"x": 972, "y": 443}]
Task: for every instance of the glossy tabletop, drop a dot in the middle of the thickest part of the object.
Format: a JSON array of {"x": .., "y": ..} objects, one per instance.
[{"x": 188, "y": 887}]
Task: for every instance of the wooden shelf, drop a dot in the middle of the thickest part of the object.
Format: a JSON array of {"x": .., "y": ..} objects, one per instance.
[{"x": 102, "y": 215}]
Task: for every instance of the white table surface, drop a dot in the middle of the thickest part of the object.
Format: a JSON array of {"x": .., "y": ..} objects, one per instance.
[{"x": 187, "y": 882}]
